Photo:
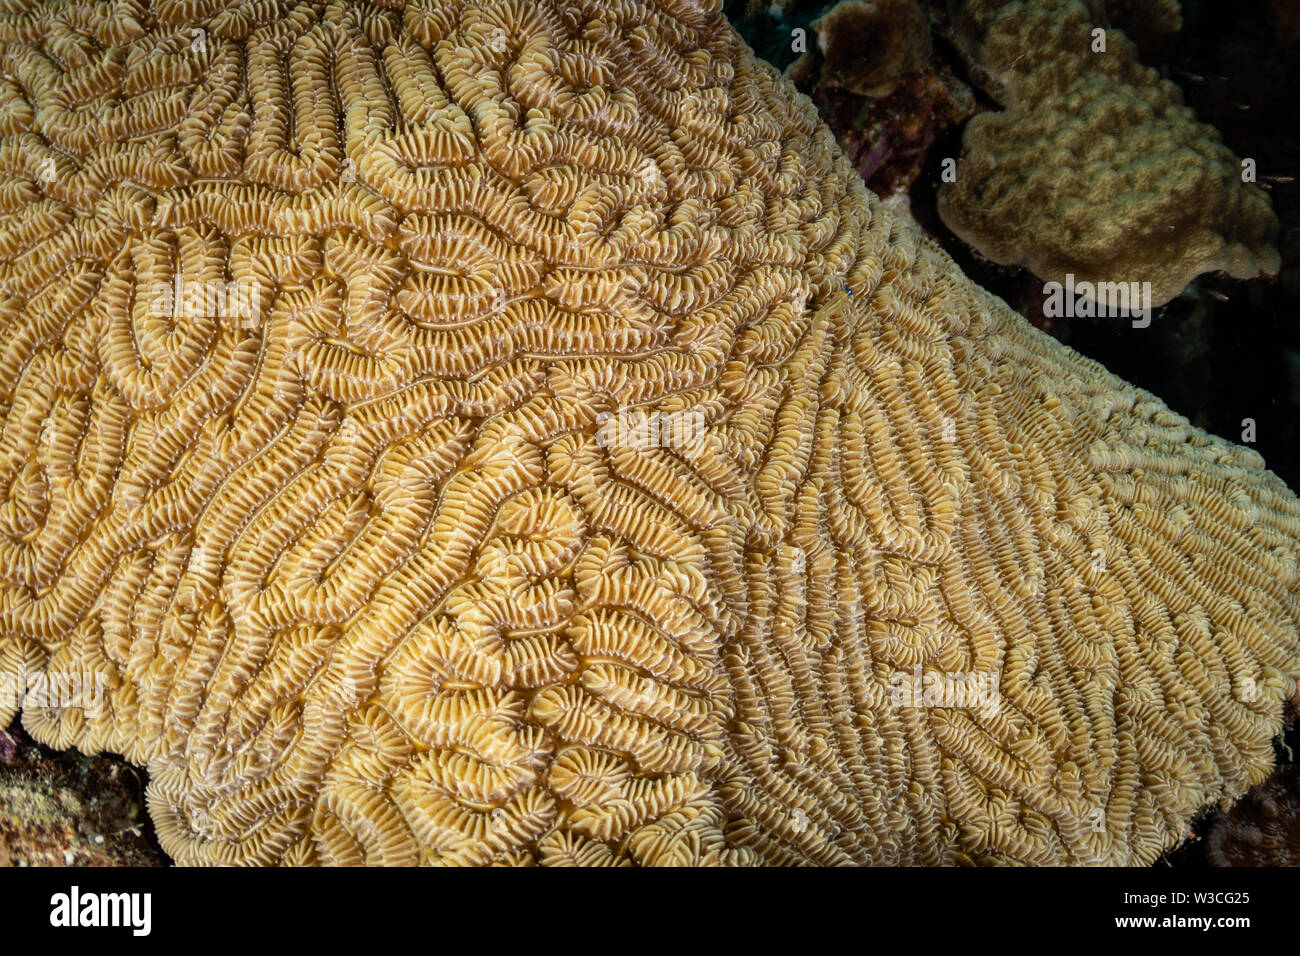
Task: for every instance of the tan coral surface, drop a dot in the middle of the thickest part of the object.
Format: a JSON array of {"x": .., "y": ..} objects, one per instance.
[
  {"x": 514, "y": 479},
  {"x": 1096, "y": 167}
]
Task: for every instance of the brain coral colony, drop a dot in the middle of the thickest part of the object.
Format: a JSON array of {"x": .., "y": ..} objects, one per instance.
[{"x": 511, "y": 432}]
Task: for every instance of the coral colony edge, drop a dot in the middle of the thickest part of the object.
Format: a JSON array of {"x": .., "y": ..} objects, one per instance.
[{"x": 511, "y": 432}]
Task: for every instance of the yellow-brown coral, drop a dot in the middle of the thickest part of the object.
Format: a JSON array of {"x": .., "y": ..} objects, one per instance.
[
  {"x": 542, "y": 448},
  {"x": 1096, "y": 168}
]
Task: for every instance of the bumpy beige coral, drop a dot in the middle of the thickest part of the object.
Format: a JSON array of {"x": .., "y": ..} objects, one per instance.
[
  {"x": 1096, "y": 168},
  {"x": 456, "y": 444}
]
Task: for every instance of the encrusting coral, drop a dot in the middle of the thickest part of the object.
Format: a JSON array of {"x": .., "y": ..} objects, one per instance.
[
  {"x": 1263, "y": 829},
  {"x": 865, "y": 46},
  {"x": 874, "y": 81},
  {"x": 510, "y": 432},
  {"x": 1096, "y": 167}
]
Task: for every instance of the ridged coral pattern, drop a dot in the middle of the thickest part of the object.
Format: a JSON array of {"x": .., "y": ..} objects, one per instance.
[{"x": 367, "y": 583}]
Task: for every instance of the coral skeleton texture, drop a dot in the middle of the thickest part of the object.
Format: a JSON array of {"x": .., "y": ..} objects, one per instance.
[{"x": 320, "y": 329}]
